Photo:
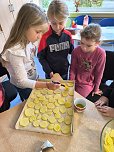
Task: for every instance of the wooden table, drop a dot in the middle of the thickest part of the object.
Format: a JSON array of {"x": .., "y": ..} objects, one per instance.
[{"x": 86, "y": 137}]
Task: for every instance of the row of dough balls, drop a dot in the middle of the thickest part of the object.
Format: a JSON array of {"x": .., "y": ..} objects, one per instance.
[
  {"x": 46, "y": 91},
  {"x": 65, "y": 129}
]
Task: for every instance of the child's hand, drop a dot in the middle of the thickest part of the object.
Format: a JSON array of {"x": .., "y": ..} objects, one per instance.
[
  {"x": 56, "y": 77},
  {"x": 98, "y": 92},
  {"x": 52, "y": 86},
  {"x": 106, "y": 111},
  {"x": 102, "y": 101},
  {"x": 51, "y": 74}
]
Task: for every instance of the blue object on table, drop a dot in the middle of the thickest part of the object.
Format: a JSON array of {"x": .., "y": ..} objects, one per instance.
[
  {"x": 79, "y": 19},
  {"x": 107, "y": 22}
]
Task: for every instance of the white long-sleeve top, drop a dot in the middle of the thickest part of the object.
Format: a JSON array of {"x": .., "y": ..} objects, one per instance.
[{"x": 20, "y": 65}]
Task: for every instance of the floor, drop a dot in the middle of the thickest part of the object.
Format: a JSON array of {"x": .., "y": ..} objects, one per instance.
[{"x": 42, "y": 74}]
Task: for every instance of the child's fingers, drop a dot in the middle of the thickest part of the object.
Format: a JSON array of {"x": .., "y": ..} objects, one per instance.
[
  {"x": 106, "y": 111},
  {"x": 102, "y": 109},
  {"x": 105, "y": 114},
  {"x": 99, "y": 92},
  {"x": 98, "y": 102},
  {"x": 93, "y": 93},
  {"x": 51, "y": 74},
  {"x": 55, "y": 86}
]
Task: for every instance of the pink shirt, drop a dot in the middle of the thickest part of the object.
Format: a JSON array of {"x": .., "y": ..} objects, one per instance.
[
  {"x": 1, "y": 95},
  {"x": 87, "y": 69}
]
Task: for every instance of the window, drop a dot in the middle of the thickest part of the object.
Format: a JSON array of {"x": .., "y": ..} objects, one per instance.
[{"x": 85, "y": 5}]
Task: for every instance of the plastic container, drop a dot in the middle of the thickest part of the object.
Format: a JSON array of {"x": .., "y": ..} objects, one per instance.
[
  {"x": 107, "y": 136},
  {"x": 74, "y": 25}
]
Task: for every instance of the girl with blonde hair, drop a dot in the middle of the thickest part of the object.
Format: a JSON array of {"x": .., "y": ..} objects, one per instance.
[{"x": 19, "y": 50}]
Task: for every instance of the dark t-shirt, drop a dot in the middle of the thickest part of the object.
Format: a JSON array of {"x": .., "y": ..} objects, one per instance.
[
  {"x": 109, "y": 93},
  {"x": 53, "y": 51}
]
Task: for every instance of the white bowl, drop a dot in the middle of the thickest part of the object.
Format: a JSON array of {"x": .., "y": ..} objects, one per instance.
[{"x": 79, "y": 104}]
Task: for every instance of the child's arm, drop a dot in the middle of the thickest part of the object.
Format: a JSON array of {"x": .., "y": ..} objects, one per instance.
[
  {"x": 73, "y": 66},
  {"x": 42, "y": 55},
  {"x": 20, "y": 75},
  {"x": 106, "y": 111},
  {"x": 44, "y": 62},
  {"x": 102, "y": 101},
  {"x": 49, "y": 85},
  {"x": 18, "y": 72},
  {"x": 98, "y": 92}
]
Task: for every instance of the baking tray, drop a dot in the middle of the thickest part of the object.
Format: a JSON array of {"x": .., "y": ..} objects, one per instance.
[{"x": 49, "y": 111}]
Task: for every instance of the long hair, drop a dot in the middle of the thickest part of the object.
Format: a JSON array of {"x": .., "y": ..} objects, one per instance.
[{"x": 29, "y": 15}]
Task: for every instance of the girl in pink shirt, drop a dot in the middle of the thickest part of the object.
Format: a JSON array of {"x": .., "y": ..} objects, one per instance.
[{"x": 88, "y": 62}]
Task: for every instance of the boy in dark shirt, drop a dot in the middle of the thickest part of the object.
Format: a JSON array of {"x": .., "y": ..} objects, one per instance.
[{"x": 56, "y": 44}]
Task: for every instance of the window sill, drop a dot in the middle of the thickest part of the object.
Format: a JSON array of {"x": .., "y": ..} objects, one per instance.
[{"x": 93, "y": 14}]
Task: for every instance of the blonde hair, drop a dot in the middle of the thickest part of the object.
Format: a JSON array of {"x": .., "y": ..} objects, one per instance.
[
  {"x": 58, "y": 9},
  {"x": 92, "y": 31},
  {"x": 29, "y": 15}
]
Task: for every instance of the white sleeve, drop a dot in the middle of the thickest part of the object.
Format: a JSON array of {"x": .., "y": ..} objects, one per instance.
[{"x": 19, "y": 71}]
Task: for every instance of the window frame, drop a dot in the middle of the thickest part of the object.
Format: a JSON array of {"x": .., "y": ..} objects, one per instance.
[{"x": 91, "y": 9}]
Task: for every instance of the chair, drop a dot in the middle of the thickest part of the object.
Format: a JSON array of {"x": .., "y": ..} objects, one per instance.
[
  {"x": 79, "y": 19},
  {"x": 107, "y": 22}
]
